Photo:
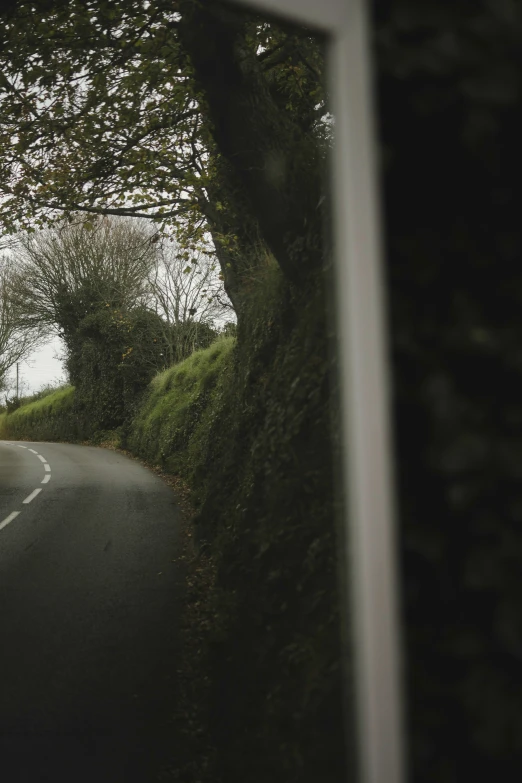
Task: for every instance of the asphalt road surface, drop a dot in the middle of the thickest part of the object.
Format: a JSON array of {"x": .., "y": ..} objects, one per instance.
[{"x": 89, "y": 601}]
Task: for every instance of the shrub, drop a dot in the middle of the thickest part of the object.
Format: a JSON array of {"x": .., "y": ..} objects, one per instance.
[{"x": 112, "y": 356}]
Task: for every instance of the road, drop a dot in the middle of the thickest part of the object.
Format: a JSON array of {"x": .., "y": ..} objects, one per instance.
[{"x": 89, "y": 605}]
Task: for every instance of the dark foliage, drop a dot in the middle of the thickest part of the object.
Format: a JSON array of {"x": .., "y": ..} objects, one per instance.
[
  {"x": 111, "y": 357},
  {"x": 254, "y": 440},
  {"x": 450, "y": 118}
]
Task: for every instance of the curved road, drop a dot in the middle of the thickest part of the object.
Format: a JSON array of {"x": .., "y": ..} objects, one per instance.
[{"x": 88, "y": 615}]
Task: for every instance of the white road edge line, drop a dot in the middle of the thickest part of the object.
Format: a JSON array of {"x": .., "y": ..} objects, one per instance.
[
  {"x": 21, "y": 447},
  {"x": 33, "y": 494},
  {"x": 47, "y": 467},
  {"x": 8, "y": 519},
  {"x": 34, "y": 452},
  {"x": 46, "y": 478},
  {"x": 42, "y": 459}
]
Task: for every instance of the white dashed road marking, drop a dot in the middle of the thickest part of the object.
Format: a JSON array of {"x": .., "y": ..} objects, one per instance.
[
  {"x": 33, "y": 494},
  {"x": 8, "y": 519}
]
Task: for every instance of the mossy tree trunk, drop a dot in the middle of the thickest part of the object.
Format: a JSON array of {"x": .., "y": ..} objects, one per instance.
[{"x": 273, "y": 155}]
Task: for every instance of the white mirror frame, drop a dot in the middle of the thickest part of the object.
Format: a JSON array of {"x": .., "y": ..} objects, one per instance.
[{"x": 371, "y": 552}]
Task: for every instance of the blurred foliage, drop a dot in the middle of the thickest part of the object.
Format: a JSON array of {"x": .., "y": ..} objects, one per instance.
[
  {"x": 450, "y": 117},
  {"x": 12, "y": 403}
]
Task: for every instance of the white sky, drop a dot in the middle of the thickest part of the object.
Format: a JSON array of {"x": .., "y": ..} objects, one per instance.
[{"x": 41, "y": 368}]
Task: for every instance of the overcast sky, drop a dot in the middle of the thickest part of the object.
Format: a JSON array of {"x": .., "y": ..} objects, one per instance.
[{"x": 41, "y": 368}]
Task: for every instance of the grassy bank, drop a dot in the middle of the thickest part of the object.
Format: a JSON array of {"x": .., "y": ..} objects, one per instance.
[
  {"x": 50, "y": 418},
  {"x": 178, "y": 408}
]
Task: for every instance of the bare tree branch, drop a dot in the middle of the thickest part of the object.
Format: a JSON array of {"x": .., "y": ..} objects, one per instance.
[
  {"x": 187, "y": 291},
  {"x": 64, "y": 272},
  {"x": 16, "y": 341}
]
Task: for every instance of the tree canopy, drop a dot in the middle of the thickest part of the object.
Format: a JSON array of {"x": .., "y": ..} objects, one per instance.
[{"x": 197, "y": 115}]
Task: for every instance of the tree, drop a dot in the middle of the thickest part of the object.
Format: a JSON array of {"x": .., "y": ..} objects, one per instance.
[
  {"x": 136, "y": 120},
  {"x": 188, "y": 287},
  {"x": 88, "y": 282},
  {"x": 187, "y": 292},
  {"x": 16, "y": 341},
  {"x": 67, "y": 272}
]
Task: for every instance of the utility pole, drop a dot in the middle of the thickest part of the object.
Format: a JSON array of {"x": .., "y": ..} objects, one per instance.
[{"x": 17, "y": 380}]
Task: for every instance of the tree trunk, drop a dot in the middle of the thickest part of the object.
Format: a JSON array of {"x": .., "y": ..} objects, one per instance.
[{"x": 277, "y": 163}]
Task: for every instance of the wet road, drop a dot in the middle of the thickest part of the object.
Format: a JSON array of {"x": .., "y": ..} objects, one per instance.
[{"x": 89, "y": 604}]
